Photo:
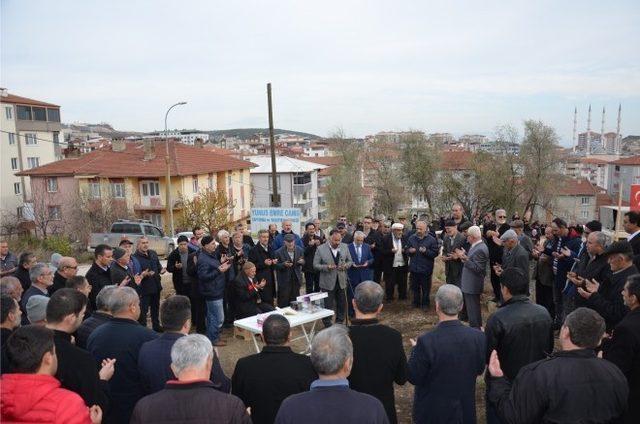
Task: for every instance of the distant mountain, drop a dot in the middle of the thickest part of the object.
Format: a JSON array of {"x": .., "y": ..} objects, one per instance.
[{"x": 248, "y": 132}]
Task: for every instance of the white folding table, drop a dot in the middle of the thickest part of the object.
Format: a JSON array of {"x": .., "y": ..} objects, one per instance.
[{"x": 250, "y": 324}]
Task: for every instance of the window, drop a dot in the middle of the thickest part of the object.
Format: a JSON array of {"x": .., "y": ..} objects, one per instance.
[
  {"x": 39, "y": 114},
  {"x": 52, "y": 185},
  {"x": 278, "y": 182},
  {"x": 585, "y": 214},
  {"x": 56, "y": 138},
  {"x": 20, "y": 212},
  {"x": 54, "y": 213},
  {"x": 124, "y": 228},
  {"x": 17, "y": 188},
  {"x": 585, "y": 200},
  {"x": 94, "y": 189},
  {"x": 33, "y": 162},
  {"x": 117, "y": 190},
  {"x": 195, "y": 183},
  {"x": 12, "y": 138},
  {"x": 14, "y": 164},
  {"x": 210, "y": 181},
  {"x": 23, "y": 113},
  {"x": 150, "y": 189},
  {"x": 8, "y": 111},
  {"x": 53, "y": 115},
  {"x": 30, "y": 139},
  {"x": 156, "y": 219},
  {"x": 229, "y": 180},
  {"x": 152, "y": 231}
]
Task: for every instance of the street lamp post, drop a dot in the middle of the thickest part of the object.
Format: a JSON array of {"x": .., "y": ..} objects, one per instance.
[{"x": 166, "y": 144}]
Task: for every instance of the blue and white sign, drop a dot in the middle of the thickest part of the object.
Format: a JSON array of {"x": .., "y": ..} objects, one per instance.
[{"x": 262, "y": 217}]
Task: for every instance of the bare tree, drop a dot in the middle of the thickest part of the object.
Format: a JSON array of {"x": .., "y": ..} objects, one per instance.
[
  {"x": 210, "y": 209},
  {"x": 383, "y": 166},
  {"x": 539, "y": 161},
  {"x": 344, "y": 190},
  {"x": 420, "y": 165}
]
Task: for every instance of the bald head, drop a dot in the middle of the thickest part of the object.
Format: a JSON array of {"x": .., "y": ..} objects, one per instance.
[{"x": 67, "y": 267}]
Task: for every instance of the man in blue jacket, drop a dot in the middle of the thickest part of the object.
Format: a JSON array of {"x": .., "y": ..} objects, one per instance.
[
  {"x": 444, "y": 364},
  {"x": 150, "y": 286},
  {"x": 422, "y": 248},
  {"x": 211, "y": 283},
  {"x": 154, "y": 359}
]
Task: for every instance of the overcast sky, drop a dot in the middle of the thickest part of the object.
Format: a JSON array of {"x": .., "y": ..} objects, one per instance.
[{"x": 363, "y": 66}]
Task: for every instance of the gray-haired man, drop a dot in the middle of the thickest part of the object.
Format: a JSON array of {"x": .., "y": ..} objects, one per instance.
[
  {"x": 444, "y": 364},
  {"x": 330, "y": 398},
  {"x": 41, "y": 279},
  {"x": 191, "y": 398},
  {"x": 378, "y": 355}
]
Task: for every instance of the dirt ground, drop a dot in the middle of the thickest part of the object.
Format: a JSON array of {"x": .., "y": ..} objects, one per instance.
[{"x": 399, "y": 315}]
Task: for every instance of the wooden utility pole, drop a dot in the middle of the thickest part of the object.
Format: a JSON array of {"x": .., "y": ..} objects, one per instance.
[{"x": 275, "y": 197}]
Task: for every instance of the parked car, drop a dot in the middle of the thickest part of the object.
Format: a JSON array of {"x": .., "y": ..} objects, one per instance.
[{"x": 133, "y": 230}]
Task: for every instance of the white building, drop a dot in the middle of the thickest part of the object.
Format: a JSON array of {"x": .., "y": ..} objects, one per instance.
[
  {"x": 297, "y": 184},
  {"x": 622, "y": 173},
  {"x": 30, "y": 138},
  {"x": 185, "y": 137}
]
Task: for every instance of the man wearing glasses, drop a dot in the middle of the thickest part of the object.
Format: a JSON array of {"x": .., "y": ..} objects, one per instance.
[{"x": 67, "y": 268}]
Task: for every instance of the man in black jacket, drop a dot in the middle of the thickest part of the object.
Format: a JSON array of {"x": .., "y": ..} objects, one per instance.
[
  {"x": 191, "y": 398},
  {"x": 98, "y": 275},
  {"x": 631, "y": 223},
  {"x": 25, "y": 262},
  {"x": 623, "y": 348},
  {"x": 150, "y": 285},
  {"x": 177, "y": 266},
  {"x": 520, "y": 331},
  {"x": 265, "y": 379},
  {"x": 311, "y": 241},
  {"x": 263, "y": 257},
  {"x": 492, "y": 231},
  {"x": 571, "y": 386},
  {"x": 604, "y": 296},
  {"x": 121, "y": 339},
  {"x": 77, "y": 370},
  {"x": 373, "y": 238},
  {"x": 378, "y": 355}
]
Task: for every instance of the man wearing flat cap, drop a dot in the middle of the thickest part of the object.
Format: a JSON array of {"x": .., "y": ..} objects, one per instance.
[
  {"x": 605, "y": 296},
  {"x": 517, "y": 225},
  {"x": 122, "y": 274},
  {"x": 513, "y": 255},
  {"x": 395, "y": 262}
]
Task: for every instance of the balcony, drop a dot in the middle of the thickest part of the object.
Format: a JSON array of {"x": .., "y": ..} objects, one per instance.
[
  {"x": 154, "y": 204},
  {"x": 301, "y": 189},
  {"x": 304, "y": 205}
]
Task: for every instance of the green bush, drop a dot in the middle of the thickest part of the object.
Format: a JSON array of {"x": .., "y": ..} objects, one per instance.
[{"x": 58, "y": 244}]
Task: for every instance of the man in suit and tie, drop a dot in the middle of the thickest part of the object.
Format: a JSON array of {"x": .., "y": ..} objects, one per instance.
[
  {"x": 289, "y": 270},
  {"x": 473, "y": 273},
  {"x": 332, "y": 260},
  {"x": 263, "y": 257},
  {"x": 361, "y": 270},
  {"x": 395, "y": 262},
  {"x": 631, "y": 223}
]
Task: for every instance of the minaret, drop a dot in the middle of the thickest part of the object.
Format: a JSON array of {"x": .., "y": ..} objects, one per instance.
[
  {"x": 589, "y": 132},
  {"x": 602, "y": 130},
  {"x": 575, "y": 127},
  {"x": 618, "y": 141}
]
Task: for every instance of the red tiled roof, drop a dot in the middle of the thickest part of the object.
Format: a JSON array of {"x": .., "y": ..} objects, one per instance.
[
  {"x": 631, "y": 160},
  {"x": 185, "y": 160},
  {"x": 577, "y": 187},
  {"x": 594, "y": 161},
  {"x": 323, "y": 160},
  {"x": 456, "y": 160},
  {"x": 12, "y": 98}
]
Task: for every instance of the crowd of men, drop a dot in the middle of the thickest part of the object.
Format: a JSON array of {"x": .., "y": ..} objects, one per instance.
[{"x": 562, "y": 346}]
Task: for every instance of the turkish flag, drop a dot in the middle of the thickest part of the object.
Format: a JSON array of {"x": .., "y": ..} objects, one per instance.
[{"x": 634, "y": 200}]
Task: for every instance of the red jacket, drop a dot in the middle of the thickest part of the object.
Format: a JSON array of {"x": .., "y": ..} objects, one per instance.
[{"x": 39, "y": 398}]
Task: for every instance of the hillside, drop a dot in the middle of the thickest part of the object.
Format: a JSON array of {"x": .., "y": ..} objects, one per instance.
[{"x": 244, "y": 133}]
